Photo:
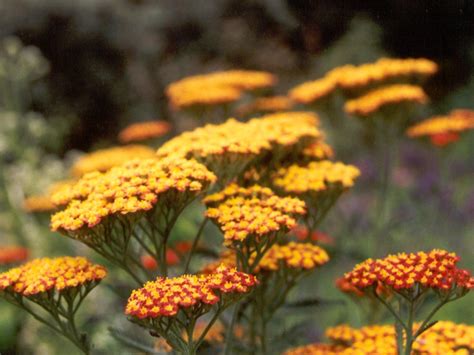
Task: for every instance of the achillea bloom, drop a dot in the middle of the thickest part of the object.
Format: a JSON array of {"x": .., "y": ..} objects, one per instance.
[
  {"x": 252, "y": 212},
  {"x": 216, "y": 88},
  {"x": 228, "y": 148},
  {"x": 142, "y": 131},
  {"x": 345, "y": 286},
  {"x": 105, "y": 159},
  {"x": 266, "y": 104},
  {"x": 443, "y": 130},
  {"x": 318, "y": 150},
  {"x": 41, "y": 275},
  {"x": 12, "y": 254},
  {"x": 435, "y": 269},
  {"x": 150, "y": 263},
  {"x": 349, "y": 77},
  {"x": 388, "y": 95},
  {"x": 39, "y": 203},
  {"x": 315, "y": 349}
]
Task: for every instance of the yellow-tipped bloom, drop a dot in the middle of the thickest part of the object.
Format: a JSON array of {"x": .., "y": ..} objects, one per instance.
[
  {"x": 216, "y": 88},
  {"x": 254, "y": 211},
  {"x": 388, "y": 95},
  {"x": 142, "y": 131},
  {"x": 105, "y": 159}
]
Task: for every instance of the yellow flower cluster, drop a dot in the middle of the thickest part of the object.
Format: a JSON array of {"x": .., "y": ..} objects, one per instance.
[
  {"x": 144, "y": 130},
  {"x": 316, "y": 176},
  {"x": 350, "y": 77},
  {"x": 456, "y": 121},
  {"x": 216, "y": 88},
  {"x": 133, "y": 187},
  {"x": 42, "y": 275},
  {"x": 388, "y": 95},
  {"x": 266, "y": 104},
  {"x": 105, "y": 159},
  {"x": 38, "y": 203},
  {"x": 166, "y": 296},
  {"x": 294, "y": 256},
  {"x": 253, "y": 137},
  {"x": 256, "y": 210},
  {"x": 443, "y": 338}
]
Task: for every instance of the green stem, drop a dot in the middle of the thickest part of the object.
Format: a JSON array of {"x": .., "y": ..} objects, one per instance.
[
  {"x": 409, "y": 330},
  {"x": 195, "y": 243},
  {"x": 230, "y": 331}
]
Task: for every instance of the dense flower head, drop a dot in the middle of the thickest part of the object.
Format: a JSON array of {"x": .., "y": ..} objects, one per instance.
[
  {"x": 255, "y": 210},
  {"x": 216, "y": 88},
  {"x": 316, "y": 176},
  {"x": 41, "y": 275},
  {"x": 141, "y": 131},
  {"x": 164, "y": 297},
  {"x": 136, "y": 186},
  {"x": 435, "y": 269},
  {"x": 266, "y": 104},
  {"x": 374, "y": 100},
  {"x": 259, "y": 135},
  {"x": 105, "y": 159},
  {"x": 12, "y": 254},
  {"x": 351, "y": 77},
  {"x": 294, "y": 256},
  {"x": 38, "y": 203},
  {"x": 318, "y": 150},
  {"x": 443, "y": 130}
]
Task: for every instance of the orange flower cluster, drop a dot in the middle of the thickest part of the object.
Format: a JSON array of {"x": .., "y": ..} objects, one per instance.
[
  {"x": 39, "y": 203},
  {"x": 105, "y": 159},
  {"x": 318, "y": 150},
  {"x": 255, "y": 210},
  {"x": 443, "y": 338},
  {"x": 443, "y": 130},
  {"x": 266, "y": 104},
  {"x": 294, "y": 256},
  {"x": 351, "y": 77},
  {"x": 12, "y": 254},
  {"x": 388, "y": 95},
  {"x": 144, "y": 130},
  {"x": 134, "y": 187},
  {"x": 302, "y": 234},
  {"x": 238, "y": 139},
  {"x": 216, "y": 88},
  {"x": 42, "y": 275},
  {"x": 166, "y": 296},
  {"x": 435, "y": 269},
  {"x": 315, "y": 177}
]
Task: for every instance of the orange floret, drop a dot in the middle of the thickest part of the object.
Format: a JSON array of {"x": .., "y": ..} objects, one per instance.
[
  {"x": 388, "y": 95},
  {"x": 165, "y": 297},
  {"x": 138, "y": 132},
  {"x": 12, "y": 254},
  {"x": 42, "y": 275},
  {"x": 105, "y": 159}
]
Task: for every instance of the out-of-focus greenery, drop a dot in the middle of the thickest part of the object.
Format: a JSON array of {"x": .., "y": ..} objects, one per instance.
[{"x": 143, "y": 46}]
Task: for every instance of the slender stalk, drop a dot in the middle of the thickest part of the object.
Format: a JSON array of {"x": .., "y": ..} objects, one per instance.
[
  {"x": 195, "y": 243},
  {"x": 230, "y": 331}
]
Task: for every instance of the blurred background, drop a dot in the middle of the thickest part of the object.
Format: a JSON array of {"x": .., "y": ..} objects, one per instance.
[{"x": 74, "y": 73}]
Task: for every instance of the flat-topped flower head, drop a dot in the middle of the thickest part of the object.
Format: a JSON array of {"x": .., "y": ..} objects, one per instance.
[
  {"x": 165, "y": 297},
  {"x": 349, "y": 77},
  {"x": 38, "y": 203},
  {"x": 304, "y": 256},
  {"x": 443, "y": 130},
  {"x": 216, "y": 88},
  {"x": 143, "y": 131},
  {"x": 254, "y": 211},
  {"x": 132, "y": 188},
  {"x": 58, "y": 274},
  {"x": 228, "y": 148},
  {"x": 315, "y": 177},
  {"x": 12, "y": 254},
  {"x": 266, "y": 104},
  {"x": 377, "y": 99},
  {"x": 105, "y": 159},
  {"x": 436, "y": 270}
]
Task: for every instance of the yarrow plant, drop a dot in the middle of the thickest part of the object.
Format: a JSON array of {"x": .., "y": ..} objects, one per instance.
[
  {"x": 58, "y": 286},
  {"x": 169, "y": 307},
  {"x": 411, "y": 278}
]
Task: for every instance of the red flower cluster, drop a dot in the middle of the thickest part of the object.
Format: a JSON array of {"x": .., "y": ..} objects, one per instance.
[
  {"x": 12, "y": 254},
  {"x": 301, "y": 233},
  {"x": 165, "y": 296},
  {"x": 436, "y": 269}
]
